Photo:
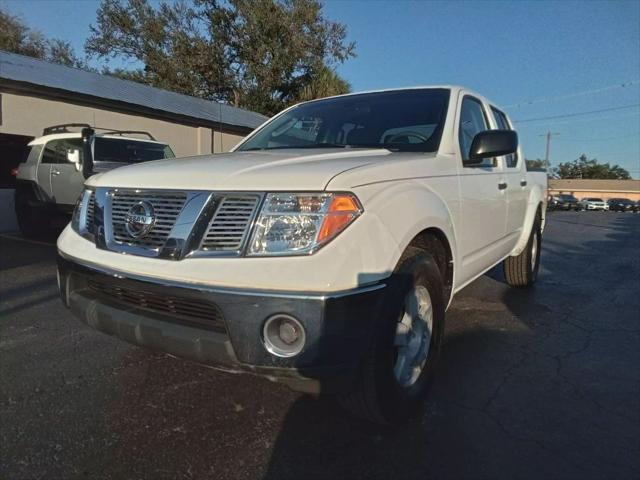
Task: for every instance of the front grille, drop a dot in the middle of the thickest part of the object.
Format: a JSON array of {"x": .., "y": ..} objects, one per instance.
[
  {"x": 230, "y": 223},
  {"x": 90, "y": 207},
  {"x": 166, "y": 205},
  {"x": 181, "y": 309}
]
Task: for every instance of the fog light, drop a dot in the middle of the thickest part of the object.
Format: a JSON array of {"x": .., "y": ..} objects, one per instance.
[{"x": 283, "y": 335}]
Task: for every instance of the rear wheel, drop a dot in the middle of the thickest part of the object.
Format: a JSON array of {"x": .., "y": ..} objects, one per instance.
[
  {"x": 32, "y": 221},
  {"x": 522, "y": 270},
  {"x": 404, "y": 346}
]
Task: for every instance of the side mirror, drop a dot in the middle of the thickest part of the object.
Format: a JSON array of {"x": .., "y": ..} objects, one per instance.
[
  {"x": 491, "y": 143},
  {"x": 73, "y": 156}
]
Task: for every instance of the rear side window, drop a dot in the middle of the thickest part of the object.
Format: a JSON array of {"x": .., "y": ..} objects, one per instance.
[
  {"x": 128, "y": 151},
  {"x": 56, "y": 150},
  {"x": 503, "y": 124},
  {"x": 473, "y": 120}
]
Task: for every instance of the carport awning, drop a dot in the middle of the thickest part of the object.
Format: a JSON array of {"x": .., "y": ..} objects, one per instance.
[{"x": 38, "y": 73}]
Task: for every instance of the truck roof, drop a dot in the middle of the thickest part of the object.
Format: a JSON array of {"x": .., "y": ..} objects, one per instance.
[
  {"x": 454, "y": 90},
  {"x": 59, "y": 136}
]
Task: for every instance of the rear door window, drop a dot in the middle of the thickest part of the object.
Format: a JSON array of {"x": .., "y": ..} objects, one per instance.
[
  {"x": 511, "y": 160},
  {"x": 56, "y": 150}
]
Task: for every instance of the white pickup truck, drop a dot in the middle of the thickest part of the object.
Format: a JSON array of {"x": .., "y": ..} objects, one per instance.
[{"x": 322, "y": 252}]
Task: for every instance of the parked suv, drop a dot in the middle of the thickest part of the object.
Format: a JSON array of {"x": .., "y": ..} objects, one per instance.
[
  {"x": 621, "y": 205},
  {"x": 60, "y": 161},
  {"x": 322, "y": 252},
  {"x": 563, "y": 202}
]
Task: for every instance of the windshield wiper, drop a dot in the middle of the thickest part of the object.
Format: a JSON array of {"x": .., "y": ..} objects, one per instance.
[
  {"x": 283, "y": 147},
  {"x": 387, "y": 146}
]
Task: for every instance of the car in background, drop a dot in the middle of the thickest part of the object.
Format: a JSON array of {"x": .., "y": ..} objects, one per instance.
[
  {"x": 563, "y": 202},
  {"x": 622, "y": 205},
  {"x": 52, "y": 177},
  {"x": 593, "y": 203}
]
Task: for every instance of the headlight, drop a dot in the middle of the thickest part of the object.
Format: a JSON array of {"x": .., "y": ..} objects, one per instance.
[
  {"x": 79, "y": 217},
  {"x": 300, "y": 223},
  {"x": 75, "y": 218}
]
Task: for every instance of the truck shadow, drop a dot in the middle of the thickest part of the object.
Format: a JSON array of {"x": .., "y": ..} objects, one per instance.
[{"x": 506, "y": 387}]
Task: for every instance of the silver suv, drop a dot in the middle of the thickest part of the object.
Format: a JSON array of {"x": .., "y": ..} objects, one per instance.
[{"x": 52, "y": 177}]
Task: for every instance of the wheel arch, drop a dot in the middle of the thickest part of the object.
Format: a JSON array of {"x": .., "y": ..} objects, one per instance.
[
  {"x": 435, "y": 241},
  {"x": 24, "y": 186},
  {"x": 535, "y": 208}
]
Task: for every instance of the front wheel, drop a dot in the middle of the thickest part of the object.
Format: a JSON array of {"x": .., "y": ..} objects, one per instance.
[
  {"x": 405, "y": 343},
  {"x": 32, "y": 221},
  {"x": 522, "y": 270}
]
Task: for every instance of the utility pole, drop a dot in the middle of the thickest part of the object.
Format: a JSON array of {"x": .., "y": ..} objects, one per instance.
[{"x": 548, "y": 135}]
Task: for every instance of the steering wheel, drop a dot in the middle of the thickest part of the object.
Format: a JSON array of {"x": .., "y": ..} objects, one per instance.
[{"x": 417, "y": 135}]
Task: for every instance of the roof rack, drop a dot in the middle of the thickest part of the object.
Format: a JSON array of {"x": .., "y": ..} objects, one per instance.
[
  {"x": 128, "y": 132},
  {"x": 64, "y": 128}
]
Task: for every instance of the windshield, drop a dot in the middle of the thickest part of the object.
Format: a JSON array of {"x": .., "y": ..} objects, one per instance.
[
  {"x": 408, "y": 120},
  {"x": 594, "y": 200},
  {"x": 567, "y": 197},
  {"x": 128, "y": 151}
]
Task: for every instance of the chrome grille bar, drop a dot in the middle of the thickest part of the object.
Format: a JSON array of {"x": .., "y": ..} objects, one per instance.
[
  {"x": 186, "y": 223},
  {"x": 90, "y": 215},
  {"x": 166, "y": 205},
  {"x": 230, "y": 224}
]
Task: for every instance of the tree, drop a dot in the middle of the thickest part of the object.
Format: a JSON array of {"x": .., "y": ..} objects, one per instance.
[
  {"x": 323, "y": 83},
  {"x": 536, "y": 164},
  {"x": 582, "y": 167},
  {"x": 259, "y": 54},
  {"x": 17, "y": 37}
]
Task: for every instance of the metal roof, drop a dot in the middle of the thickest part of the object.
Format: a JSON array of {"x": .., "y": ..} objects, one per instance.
[
  {"x": 27, "y": 70},
  {"x": 591, "y": 185}
]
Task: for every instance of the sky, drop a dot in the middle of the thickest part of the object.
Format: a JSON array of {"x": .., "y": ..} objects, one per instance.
[{"x": 535, "y": 59}]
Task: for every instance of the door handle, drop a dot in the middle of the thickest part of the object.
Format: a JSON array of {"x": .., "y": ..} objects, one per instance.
[
  {"x": 523, "y": 183},
  {"x": 502, "y": 185},
  {"x": 55, "y": 172}
]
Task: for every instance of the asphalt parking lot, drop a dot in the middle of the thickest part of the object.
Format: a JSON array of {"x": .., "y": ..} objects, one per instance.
[{"x": 543, "y": 383}]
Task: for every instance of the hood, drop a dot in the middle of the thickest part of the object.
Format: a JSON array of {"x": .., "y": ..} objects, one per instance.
[{"x": 299, "y": 169}]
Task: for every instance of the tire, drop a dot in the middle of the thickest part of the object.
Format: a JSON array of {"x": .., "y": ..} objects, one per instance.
[
  {"x": 522, "y": 270},
  {"x": 379, "y": 395},
  {"x": 32, "y": 221}
]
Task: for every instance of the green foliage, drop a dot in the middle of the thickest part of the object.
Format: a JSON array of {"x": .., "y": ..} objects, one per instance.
[
  {"x": 259, "y": 54},
  {"x": 17, "y": 37},
  {"x": 536, "y": 164},
  {"x": 323, "y": 83},
  {"x": 582, "y": 167}
]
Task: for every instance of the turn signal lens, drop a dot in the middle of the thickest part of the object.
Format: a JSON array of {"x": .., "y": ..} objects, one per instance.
[{"x": 342, "y": 211}]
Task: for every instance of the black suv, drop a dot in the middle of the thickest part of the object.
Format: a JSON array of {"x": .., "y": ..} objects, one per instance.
[
  {"x": 621, "y": 205},
  {"x": 564, "y": 202}
]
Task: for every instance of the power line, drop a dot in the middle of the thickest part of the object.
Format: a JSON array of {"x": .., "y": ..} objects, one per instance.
[
  {"x": 574, "y": 120},
  {"x": 567, "y": 115},
  {"x": 564, "y": 139},
  {"x": 573, "y": 95}
]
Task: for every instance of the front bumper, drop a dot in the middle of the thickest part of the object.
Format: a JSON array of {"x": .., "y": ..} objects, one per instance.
[
  {"x": 225, "y": 330},
  {"x": 622, "y": 208},
  {"x": 567, "y": 206}
]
